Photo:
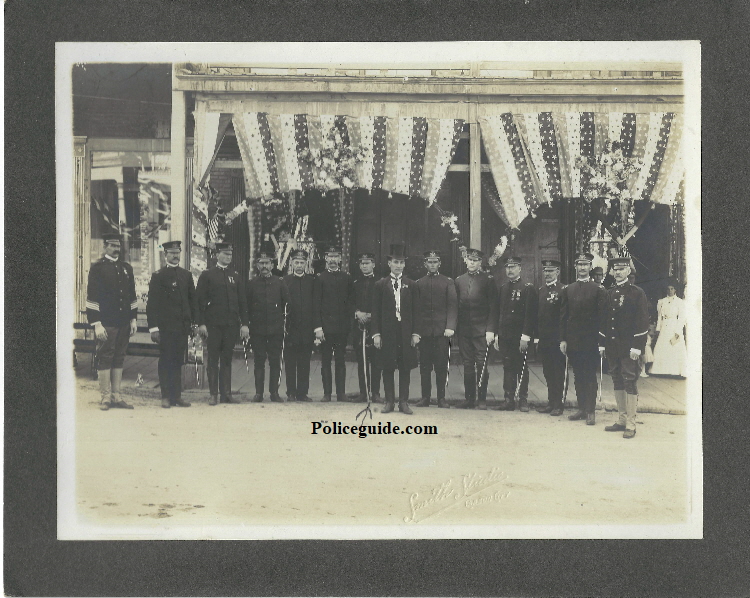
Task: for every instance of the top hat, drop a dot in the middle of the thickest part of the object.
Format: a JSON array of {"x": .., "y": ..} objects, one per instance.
[
  {"x": 550, "y": 264},
  {"x": 366, "y": 256},
  {"x": 332, "y": 249},
  {"x": 431, "y": 254},
  {"x": 584, "y": 257},
  {"x": 172, "y": 245},
  {"x": 397, "y": 254},
  {"x": 223, "y": 246},
  {"x": 111, "y": 237},
  {"x": 299, "y": 254},
  {"x": 475, "y": 253},
  {"x": 512, "y": 261}
]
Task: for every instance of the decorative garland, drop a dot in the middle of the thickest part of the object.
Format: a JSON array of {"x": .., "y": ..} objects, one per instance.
[
  {"x": 499, "y": 251},
  {"x": 334, "y": 164}
]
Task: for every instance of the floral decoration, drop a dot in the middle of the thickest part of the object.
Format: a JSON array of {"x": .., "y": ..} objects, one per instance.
[
  {"x": 498, "y": 251},
  {"x": 608, "y": 173},
  {"x": 334, "y": 164}
]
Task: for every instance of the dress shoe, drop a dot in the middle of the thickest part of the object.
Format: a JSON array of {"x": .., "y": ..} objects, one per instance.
[
  {"x": 104, "y": 405},
  {"x": 482, "y": 405},
  {"x": 443, "y": 404},
  {"x": 389, "y": 407},
  {"x": 304, "y": 399},
  {"x": 258, "y": 398},
  {"x": 628, "y": 433},
  {"x": 275, "y": 398},
  {"x": 326, "y": 399},
  {"x": 376, "y": 398},
  {"x": 232, "y": 400},
  {"x": 181, "y": 403},
  {"x": 556, "y": 412},
  {"x": 508, "y": 406},
  {"x": 403, "y": 407},
  {"x": 341, "y": 398},
  {"x": 590, "y": 419},
  {"x": 467, "y": 404},
  {"x": 361, "y": 398},
  {"x": 424, "y": 402},
  {"x": 165, "y": 404},
  {"x": 120, "y": 404},
  {"x": 614, "y": 428},
  {"x": 213, "y": 400},
  {"x": 577, "y": 415},
  {"x": 547, "y": 409},
  {"x": 290, "y": 397},
  {"x": 523, "y": 405}
]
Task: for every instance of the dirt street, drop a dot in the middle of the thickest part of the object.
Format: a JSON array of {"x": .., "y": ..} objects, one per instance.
[{"x": 259, "y": 464}]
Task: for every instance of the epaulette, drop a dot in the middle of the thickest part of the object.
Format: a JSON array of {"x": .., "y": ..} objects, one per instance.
[
  {"x": 564, "y": 286},
  {"x": 528, "y": 284},
  {"x": 489, "y": 276}
]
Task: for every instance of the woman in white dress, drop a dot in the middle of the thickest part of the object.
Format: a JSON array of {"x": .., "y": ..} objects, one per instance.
[{"x": 670, "y": 351}]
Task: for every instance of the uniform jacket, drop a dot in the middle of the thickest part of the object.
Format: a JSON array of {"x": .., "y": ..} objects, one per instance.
[
  {"x": 333, "y": 302},
  {"x": 110, "y": 297},
  {"x": 437, "y": 305},
  {"x": 363, "y": 287},
  {"x": 385, "y": 323},
  {"x": 548, "y": 315},
  {"x": 171, "y": 302},
  {"x": 221, "y": 298},
  {"x": 516, "y": 310},
  {"x": 477, "y": 304},
  {"x": 267, "y": 298},
  {"x": 624, "y": 323},
  {"x": 299, "y": 319},
  {"x": 581, "y": 308}
]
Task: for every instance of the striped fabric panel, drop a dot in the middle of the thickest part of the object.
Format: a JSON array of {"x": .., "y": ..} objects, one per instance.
[
  {"x": 670, "y": 163},
  {"x": 391, "y": 154},
  {"x": 252, "y": 184},
  {"x": 256, "y": 151},
  {"x": 523, "y": 168},
  {"x": 661, "y": 148},
  {"x": 277, "y": 147},
  {"x": 403, "y": 160},
  {"x": 302, "y": 144},
  {"x": 379, "y": 152},
  {"x": 528, "y": 128},
  {"x": 289, "y": 152},
  {"x": 364, "y": 170},
  {"x": 601, "y": 136},
  {"x": 587, "y": 140},
  {"x": 419, "y": 144},
  {"x": 430, "y": 157},
  {"x": 265, "y": 137},
  {"x": 627, "y": 134},
  {"x": 92, "y": 305},
  {"x": 649, "y": 150},
  {"x": 550, "y": 153},
  {"x": 450, "y": 130}
]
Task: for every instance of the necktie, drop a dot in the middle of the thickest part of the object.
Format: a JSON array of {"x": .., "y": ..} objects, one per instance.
[{"x": 395, "y": 285}]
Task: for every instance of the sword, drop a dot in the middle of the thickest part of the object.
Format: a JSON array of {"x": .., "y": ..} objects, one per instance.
[
  {"x": 283, "y": 344},
  {"x": 601, "y": 375},
  {"x": 244, "y": 348},
  {"x": 565, "y": 383},
  {"x": 523, "y": 370},
  {"x": 484, "y": 369},
  {"x": 448, "y": 373},
  {"x": 366, "y": 411}
]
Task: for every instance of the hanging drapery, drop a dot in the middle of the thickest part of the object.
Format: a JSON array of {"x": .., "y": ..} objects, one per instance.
[{"x": 534, "y": 155}]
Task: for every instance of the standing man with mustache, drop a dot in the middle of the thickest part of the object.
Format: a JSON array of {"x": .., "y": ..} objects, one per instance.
[{"x": 112, "y": 309}]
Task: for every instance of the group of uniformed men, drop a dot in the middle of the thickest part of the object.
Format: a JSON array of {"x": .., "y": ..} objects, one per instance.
[{"x": 399, "y": 324}]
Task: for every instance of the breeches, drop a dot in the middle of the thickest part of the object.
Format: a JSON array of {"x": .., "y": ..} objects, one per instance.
[
  {"x": 625, "y": 373},
  {"x": 111, "y": 352}
]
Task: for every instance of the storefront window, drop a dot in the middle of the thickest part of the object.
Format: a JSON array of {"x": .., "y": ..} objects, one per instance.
[{"x": 131, "y": 194}]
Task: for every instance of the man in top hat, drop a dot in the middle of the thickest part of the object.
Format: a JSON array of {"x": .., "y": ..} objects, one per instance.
[
  {"x": 582, "y": 305},
  {"x": 437, "y": 312},
  {"x": 516, "y": 321},
  {"x": 333, "y": 306},
  {"x": 298, "y": 343},
  {"x": 363, "y": 289},
  {"x": 222, "y": 314},
  {"x": 547, "y": 337},
  {"x": 597, "y": 275},
  {"x": 477, "y": 324},
  {"x": 112, "y": 309},
  {"x": 394, "y": 331},
  {"x": 623, "y": 333},
  {"x": 172, "y": 312},
  {"x": 267, "y": 299}
]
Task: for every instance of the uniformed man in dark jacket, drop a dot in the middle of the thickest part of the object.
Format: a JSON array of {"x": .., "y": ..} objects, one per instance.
[
  {"x": 267, "y": 298},
  {"x": 623, "y": 333},
  {"x": 394, "y": 331},
  {"x": 363, "y": 288},
  {"x": 172, "y": 312},
  {"x": 477, "y": 325},
  {"x": 582, "y": 305},
  {"x": 298, "y": 342},
  {"x": 437, "y": 313},
  {"x": 547, "y": 337},
  {"x": 222, "y": 313},
  {"x": 516, "y": 320},
  {"x": 333, "y": 310},
  {"x": 112, "y": 309}
]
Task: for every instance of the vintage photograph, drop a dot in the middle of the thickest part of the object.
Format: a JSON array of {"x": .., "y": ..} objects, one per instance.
[{"x": 379, "y": 290}]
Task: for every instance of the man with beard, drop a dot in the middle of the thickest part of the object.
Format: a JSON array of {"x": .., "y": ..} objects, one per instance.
[
  {"x": 333, "y": 308},
  {"x": 437, "y": 311},
  {"x": 477, "y": 325},
  {"x": 394, "y": 332},
  {"x": 267, "y": 299},
  {"x": 369, "y": 371},
  {"x": 112, "y": 309},
  {"x": 172, "y": 313},
  {"x": 548, "y": 337},
  {"x": 298, "y": 343},
  {"x": 222, "y": 314}
]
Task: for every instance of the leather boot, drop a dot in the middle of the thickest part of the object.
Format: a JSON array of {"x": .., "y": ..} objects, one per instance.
[
  {"x": 442, "y": 404},
  {"x": 631, "y": 405},
  {"x": 621, "y": 400},
  {"x": 467, "y": 404},
  {"x": 591, "y": 418},
  {"x": 389, "y": 407},
  {"x": 116, "y": 401},
  {"x": 326, "y": 399},
  {"x": 258, "y": 398},
  {"x": 104, "y": 389},
  {"x": 482, "y": 404},
  {"x": 213, "y": 400},
  {"x": 424, "y": 402},
  {"x": 181, "y": 403},
  {"x": 165, "y": 404},
  {"x": 403, "y": 407},
  {"x": 275, "y": 398},
  {"x": 546, "y": 409},
  {"x": 510, "y": 405},
  {"x": 523, "y": 405},
  {"x": 580, "y": 414}
]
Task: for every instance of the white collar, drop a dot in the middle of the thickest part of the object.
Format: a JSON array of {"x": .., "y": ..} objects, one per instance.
[
  {"x": 583, "y": 279},
  {"x": 624, "y": 282},
  {"x": 172, "y": 265},
  {"x": 396, "y": 277},
  {"x": 299, "y": 275},
  {"x": 553, "y": 283},
  {"x": 110, "y": 258},
  {"x": 218, "y": 265}
]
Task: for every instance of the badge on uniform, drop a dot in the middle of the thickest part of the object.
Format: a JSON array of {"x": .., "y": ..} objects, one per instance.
[
  {"x": 552, "y": 297},
  {"x": 174, "y": 284},
  {"x": 622, "y": 300},
  {"x": 515, "y": 296},
  {"x": 231, "y": 279}
]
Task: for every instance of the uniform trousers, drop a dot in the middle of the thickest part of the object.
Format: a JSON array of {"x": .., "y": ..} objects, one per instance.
[
  {"x": 297, "y": 357},
  {"x": 220, "y": 343},
  {"x": 334, "y": 344},
  {"x": 625, "y": 373},
  {"x": 266, "y": 346},
  {"x": 584, "y": 364},
  {"x": 553, "y": 367},
  {"x": 373, "y": 365},
  {"x": 433, "y": 354},
  {"x": 111, "y": 352},
  {"x": 513, "y": 369},
  {"x": 172, "y": 347},
  {"x": 473, "y": 350},
  {"x": 404, "y": 375}
]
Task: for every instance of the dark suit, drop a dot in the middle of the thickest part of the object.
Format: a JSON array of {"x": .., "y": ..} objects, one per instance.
[
  {"x": 516, "y": 321},
  {"x": 548, "y": 333},
  {"x": 171, "y": 310},
  {"x": 582, "y": 305},
  {"x": 477, "y": 315},
  {"x": 395, "y": 330},
  {"x": 333, "y": 310},
  {"x": 363, "y": 289},
  {"x": 267, "y": 298},
  {"x": 222, "y": 309},
  {"x": 437, "y": 311},
  {"x": 298, "y": 344}
]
